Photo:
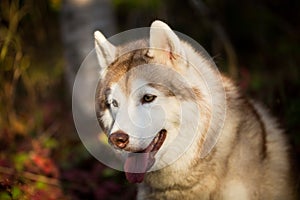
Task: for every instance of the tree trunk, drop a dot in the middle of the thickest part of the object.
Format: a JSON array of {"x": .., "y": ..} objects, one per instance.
[{"x": 79, "y": 20}]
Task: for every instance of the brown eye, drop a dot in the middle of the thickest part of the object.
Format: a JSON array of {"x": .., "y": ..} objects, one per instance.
[
  {"x": 113, "y": 103},
  {"x": 148, "y": 98}
]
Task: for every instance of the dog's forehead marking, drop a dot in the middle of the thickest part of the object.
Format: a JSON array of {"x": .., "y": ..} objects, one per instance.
[
  {"x": 125, "y": 69},
  {"x": 131, "y": 88},
  {"x": 136, "y": 84},
  {"x": 162, "y": 88},
  {"x": 119, "y": 71}
]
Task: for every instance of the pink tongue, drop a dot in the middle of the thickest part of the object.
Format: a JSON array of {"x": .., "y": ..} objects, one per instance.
[{"x": 136, "y": 166}]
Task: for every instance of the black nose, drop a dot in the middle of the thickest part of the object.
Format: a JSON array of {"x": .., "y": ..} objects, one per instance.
[{"x": 119, "y": 139}]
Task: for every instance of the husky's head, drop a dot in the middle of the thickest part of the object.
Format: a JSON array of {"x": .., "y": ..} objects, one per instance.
[{"x": 148, "y": 103}]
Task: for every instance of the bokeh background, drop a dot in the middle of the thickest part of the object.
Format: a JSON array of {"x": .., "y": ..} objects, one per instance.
[{"x": 43, "y": 42}]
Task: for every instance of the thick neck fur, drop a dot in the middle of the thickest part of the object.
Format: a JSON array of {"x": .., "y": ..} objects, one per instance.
[
  {"x": 163, "y": 179},
  {"x": 196, "y": 174}
]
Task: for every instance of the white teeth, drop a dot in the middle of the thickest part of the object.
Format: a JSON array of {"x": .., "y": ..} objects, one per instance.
[
  {"x": 153, "y": 144},
  {"x": 156, "y": 139}
]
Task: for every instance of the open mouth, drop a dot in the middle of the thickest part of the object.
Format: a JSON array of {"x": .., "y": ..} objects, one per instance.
[
  {"x": 137, "y": 164},
  {"x": 156, "y": 143}
]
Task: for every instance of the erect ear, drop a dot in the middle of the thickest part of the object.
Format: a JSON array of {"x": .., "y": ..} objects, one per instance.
[
  {"x": 162, "y": 37},
  {"x": 106, "y": 52}
]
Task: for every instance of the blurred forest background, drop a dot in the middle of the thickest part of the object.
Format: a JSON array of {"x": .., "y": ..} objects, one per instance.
[{"x": 43, "y": 42}]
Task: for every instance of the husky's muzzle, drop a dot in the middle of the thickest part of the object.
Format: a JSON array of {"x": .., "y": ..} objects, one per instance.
[{"x": 137, "y": 163}]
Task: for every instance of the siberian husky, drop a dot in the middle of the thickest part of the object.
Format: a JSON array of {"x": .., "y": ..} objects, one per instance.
[{"x": 188, "y": 131}]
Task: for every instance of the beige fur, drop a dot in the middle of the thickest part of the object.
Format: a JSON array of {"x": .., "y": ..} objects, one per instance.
[
  {"x": 236, "y": 168},
  {"x": 250, "y": 159}
]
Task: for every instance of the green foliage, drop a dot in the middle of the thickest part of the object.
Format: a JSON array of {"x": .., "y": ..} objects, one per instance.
[
  {"x": 13, "y": 62},
  {"x": 5, "y": 196},
  {"x": 40, "y": 185},
  {"x": 16, "y": 193},
  {"x": 19, "y": 160},
  {"x": 50, "y": 143},
  {"x": 26, "y": 121}
]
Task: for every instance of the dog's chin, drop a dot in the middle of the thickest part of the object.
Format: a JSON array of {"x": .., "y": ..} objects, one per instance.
[{"x": 138, "y": 163}]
